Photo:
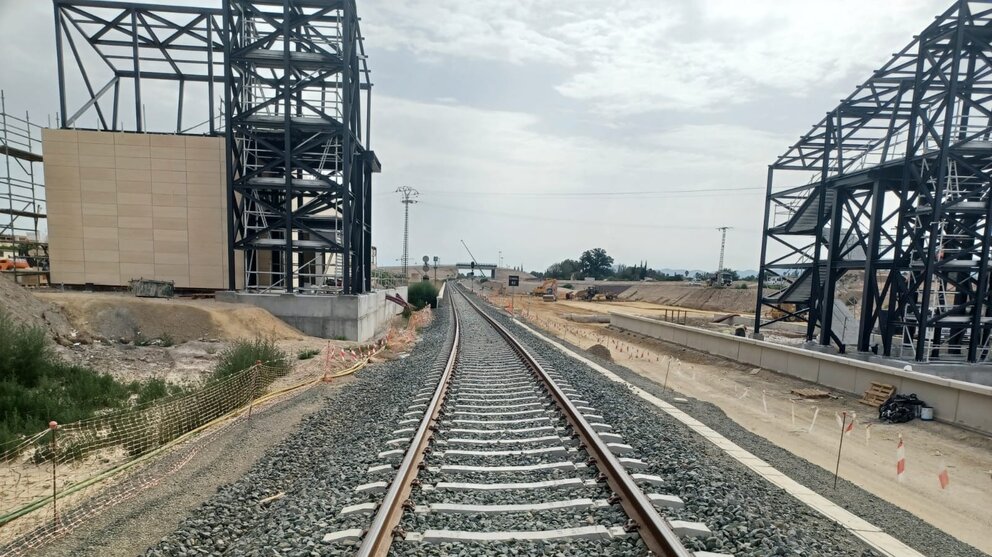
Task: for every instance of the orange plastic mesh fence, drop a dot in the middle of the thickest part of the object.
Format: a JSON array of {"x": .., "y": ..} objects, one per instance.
[{"x": 93, "y": 464}]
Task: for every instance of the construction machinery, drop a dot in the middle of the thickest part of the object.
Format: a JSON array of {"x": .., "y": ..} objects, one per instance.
[
  {"x": 13, "y": 264},
  {"x": 548, "y": 291},
  {"x": 719, "y": 279},
  {"x": 593, "y": 294},
  {"x": 785, "y": 312}
]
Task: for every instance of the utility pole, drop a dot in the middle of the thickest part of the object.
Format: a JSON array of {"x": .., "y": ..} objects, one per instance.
[
  {"x": 723, "y": 247},
  {"x": 409, "y": 197}
]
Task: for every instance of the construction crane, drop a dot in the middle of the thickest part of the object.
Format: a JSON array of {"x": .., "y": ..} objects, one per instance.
[
  {"x": 474, "y": 263},
  {"x": 474, "y": 260}
]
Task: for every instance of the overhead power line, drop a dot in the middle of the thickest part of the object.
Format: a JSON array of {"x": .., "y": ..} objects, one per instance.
[
  {"x": 600, "y": 196},
  {"x": 586, "y": 222}
]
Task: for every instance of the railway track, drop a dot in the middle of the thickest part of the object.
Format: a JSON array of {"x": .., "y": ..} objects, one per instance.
[{"x": 501, "y": 449}]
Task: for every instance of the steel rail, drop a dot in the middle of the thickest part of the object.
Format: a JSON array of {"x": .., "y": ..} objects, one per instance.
[
  {"x": 653, "y": 529},
  {"x": 380, "y": 534},
  {"x": 656, "y": 532}
]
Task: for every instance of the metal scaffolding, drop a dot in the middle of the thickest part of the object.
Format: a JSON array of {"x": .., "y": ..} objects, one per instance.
[
  {"x": 893, "y": 186},
  {"x": 295, "y": 112},
  {"x": 23, "y": 219}
]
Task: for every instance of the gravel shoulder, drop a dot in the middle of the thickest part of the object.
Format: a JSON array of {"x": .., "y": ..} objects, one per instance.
[
  {"x": 316, "y": 469},
  {"x": 143, "y": 520},
  {"x": 896, "y": 521}
]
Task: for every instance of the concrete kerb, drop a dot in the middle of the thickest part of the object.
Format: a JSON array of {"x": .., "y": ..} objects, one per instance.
[{"x": 955, "y": 402}]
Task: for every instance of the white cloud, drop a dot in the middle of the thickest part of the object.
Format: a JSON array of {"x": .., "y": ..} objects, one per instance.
[
  {"x": 645, "y": 55},
  {"x": 460, "y": 156}
]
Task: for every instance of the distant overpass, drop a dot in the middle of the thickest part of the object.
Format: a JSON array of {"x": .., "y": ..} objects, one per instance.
[{"x": 478, "y": 267}]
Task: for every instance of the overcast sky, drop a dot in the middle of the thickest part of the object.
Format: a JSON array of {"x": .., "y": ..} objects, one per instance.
[{"x": 535, "y": 127}]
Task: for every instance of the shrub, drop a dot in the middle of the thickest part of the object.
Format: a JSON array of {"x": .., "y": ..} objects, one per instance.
[
  {"x": 154, "y": 389},
  {"x": 36, "y": 386},
  {"x": 244, "y": 353},
  {"x": 568, "y": 285},
  {"x": 307, "y": 353},
  {"x": 741, "y": 286},
  {"x": 421, "y": 294}
]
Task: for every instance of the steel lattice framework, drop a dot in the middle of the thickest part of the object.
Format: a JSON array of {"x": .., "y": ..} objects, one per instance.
[
  {"x": 893, "y": 185},
  {"x": 295, "y": 113}
]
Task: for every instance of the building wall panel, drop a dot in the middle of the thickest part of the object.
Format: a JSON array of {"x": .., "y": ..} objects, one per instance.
[{"x": 124, "y": 206}]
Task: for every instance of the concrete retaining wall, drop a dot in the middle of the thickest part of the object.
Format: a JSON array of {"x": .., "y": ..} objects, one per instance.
[
  {"x": 956, "y": 402},
  {"x": 355, "y": 317}
]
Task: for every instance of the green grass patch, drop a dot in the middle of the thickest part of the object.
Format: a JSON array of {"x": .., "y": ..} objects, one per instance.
[
  {"x": 245, "y": 353},
  {"x": 36, "y": 386}
]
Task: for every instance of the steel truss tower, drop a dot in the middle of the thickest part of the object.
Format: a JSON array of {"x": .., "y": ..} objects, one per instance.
[
  {"x": 893, "y": 186},
  {"x": 299, "y": 92},
  {"x": 295, "y": 113}
]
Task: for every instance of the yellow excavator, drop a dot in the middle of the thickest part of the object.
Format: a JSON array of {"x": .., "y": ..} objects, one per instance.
[{"x": 548, "y": 291}]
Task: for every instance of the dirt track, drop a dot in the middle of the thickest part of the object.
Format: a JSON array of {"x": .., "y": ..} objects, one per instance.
[{"x": 127, "y": 529}]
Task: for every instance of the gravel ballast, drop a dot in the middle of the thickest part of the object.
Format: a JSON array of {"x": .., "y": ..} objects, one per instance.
[
  {"x": 748, "y": 516},
  {"x": 728, "y": 499},
  {"x": 487, "y": 363},
  {"x": 317, "y": 469}
]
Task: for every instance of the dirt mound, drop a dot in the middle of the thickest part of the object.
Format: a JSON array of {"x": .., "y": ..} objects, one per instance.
[
  {"x": 730, "y": 300},
  {"x": 600, "y": 351},
  {"x": 120, "y": 316},
  {"x": 25, "y": 308}
]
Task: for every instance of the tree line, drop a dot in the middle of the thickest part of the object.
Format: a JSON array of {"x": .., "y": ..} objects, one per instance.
[{"x": 597, "y": 264}]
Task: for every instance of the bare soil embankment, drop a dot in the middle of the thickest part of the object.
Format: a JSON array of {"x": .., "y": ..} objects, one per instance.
[
  {"x": 24, "y": 308},
  {"x": 119, "y": 316},
  {"x": 728, "y": 300}
]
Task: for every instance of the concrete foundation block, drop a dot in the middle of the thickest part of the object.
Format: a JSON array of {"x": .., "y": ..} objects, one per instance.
[{"x": 358, "y": 317}]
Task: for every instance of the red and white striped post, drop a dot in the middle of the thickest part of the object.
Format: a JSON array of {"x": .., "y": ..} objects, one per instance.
[
  {"x": 943, "y": 476},
  {"x": 900, "y": 459}
]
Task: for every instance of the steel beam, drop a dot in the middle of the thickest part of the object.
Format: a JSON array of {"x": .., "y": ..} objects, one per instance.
[{"x": 916, "y": 132}]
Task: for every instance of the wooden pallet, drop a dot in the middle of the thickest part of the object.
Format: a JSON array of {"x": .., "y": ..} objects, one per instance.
[{"x": 877, "y": 394}]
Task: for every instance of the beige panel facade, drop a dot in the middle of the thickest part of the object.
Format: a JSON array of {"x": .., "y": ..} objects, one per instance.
[{"x": 124, "y": 206}]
